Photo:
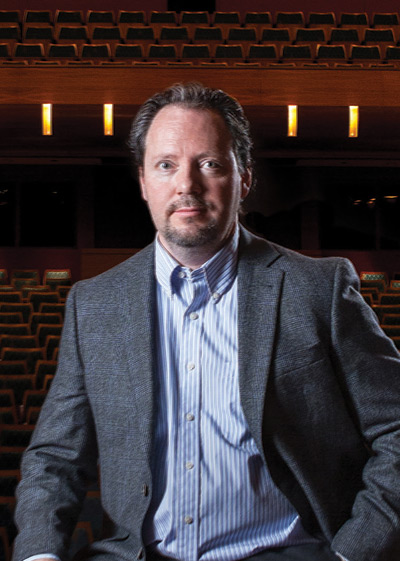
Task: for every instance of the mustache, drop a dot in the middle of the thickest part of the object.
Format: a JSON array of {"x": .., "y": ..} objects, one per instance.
[{"x": 188, "y": 201}]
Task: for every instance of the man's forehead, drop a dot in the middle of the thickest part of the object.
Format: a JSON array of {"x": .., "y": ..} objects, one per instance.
[
  {"x": 172, "y": 113},
  {"x": 174, "y": 123}
]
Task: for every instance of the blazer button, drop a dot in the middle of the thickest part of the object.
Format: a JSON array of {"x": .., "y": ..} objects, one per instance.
[{"x": 145, "y": 490}]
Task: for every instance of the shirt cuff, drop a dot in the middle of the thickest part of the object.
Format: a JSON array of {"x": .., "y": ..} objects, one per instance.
[
  {"x": 43, "y": 556},
  {"x": 341, "y": 557}
]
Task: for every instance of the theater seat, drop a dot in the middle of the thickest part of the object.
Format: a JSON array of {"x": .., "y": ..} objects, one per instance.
[
  {"x": 354, "y": 20},
  {"x": 162, "y": 53},
  {"x": 226, "y": 20},
  {"x": 211, "y": 36},
  {"x": 191, "y": 20},
  {"x": 331, "y": 54},
  {"x": 10, "y": 34},
  {"x": 323, "y": 20},
  {"x": 381, "y": 37},
  {"x": 297, "y": 54},
  {"x": 96, "y": 18},
  {"x": 127, "y": 52},
  {"x": 104, "y": 34},
  {"x": 38, "y": 17},
  {"x": 196, "y": 53},
  {"x": 258, "y": 20},
  {"x": 364, "y": 54},
  {"x": 71, "y": 18},
  {"x": 63, "y": 52},
  {"x": 77, "y": 35},
  {"x": 140, "y": 35},
  {"x": 264, "y": 54},
  {"x": 9, "y": 16},
  {"x": 127, "y": 18},
  {"x": 229, "y": 53},
  {"x": 173, "y": 35},
  {"x": 96, "y": 53}
]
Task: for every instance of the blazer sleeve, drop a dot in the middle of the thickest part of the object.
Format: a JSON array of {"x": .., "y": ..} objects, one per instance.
[
  {"x": 61, "y": 458},
  {"x": 368, "y": 366}
]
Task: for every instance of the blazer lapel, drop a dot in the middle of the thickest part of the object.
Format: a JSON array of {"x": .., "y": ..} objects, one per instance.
[
  {"x": 259, "y": 287},
  {"x": 138, "y": 316}
]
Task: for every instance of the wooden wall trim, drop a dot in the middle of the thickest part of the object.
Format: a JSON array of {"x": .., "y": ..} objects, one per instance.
[{"x": 261, "y": 86}]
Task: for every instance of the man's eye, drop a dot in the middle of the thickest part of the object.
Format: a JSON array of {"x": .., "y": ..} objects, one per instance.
[
  {"x": 211, "y": 165},
  {"x": 165, "y": 165}
]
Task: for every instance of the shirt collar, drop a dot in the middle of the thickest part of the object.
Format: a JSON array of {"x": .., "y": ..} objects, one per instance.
[{"x": 219, "y": 271}]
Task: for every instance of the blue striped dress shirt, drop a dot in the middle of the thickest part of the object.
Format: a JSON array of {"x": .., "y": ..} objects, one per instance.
[{"x": 213, "y": 498}]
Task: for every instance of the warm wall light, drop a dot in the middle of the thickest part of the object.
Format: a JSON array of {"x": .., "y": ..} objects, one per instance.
[
  {"x": 47, "y": 119},
  {"x": 353, "y": 121},
  {"x": 292, "y": 120},
  {"x": 108, "y": 119}
]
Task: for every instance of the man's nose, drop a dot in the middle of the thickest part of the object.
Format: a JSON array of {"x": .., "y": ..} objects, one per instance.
[{"x": 187, "y": 180}]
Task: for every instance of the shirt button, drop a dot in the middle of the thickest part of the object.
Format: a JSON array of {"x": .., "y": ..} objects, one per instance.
[
  {"x": 191, "y": 366},
  {"x": 188, "y": 520},
  {"x": 216, "y": 295},
  {"x": 189, "y": 465},
  {"x": 181, "y": 275},
  {"x": 194, "y": 315},
  {"x": 189, "y": 417}
]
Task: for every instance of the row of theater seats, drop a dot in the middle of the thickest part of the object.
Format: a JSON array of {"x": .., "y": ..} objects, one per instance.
[
  {"x": 70, "y": 37},
  {"x": 260, "y": 18},
  {"x": 383, "y": 295},
  {"x": 238, "y": 55},
  {"x": 22, "y": 278},
  {"x": 146, "y": 35},
  {"x": 31, "y": 321}
]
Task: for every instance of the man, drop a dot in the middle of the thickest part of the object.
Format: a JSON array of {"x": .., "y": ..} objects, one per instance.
[{"x": 240, "y": 399}]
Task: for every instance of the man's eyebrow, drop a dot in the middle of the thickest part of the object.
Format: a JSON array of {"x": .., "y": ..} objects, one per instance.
[
  {"x": 162, "y": 156},
  {"x": 170, "y": 156}
]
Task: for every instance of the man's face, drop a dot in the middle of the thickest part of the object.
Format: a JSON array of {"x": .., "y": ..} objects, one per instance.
[{"x": 190, "y": 178}]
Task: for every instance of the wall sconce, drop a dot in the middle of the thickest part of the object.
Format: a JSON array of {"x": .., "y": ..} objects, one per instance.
[
  {"x": 108, "y": 119},
  {"x": 47, "y": 119},
  {"x": 353, "y": 121},
  {"x": 292, "y": 120}
]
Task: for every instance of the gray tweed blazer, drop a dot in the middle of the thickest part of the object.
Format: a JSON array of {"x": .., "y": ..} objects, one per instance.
[{"x": 320, "y": 389}]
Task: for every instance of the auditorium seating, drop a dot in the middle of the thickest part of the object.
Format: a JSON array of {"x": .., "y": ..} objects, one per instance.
[{"x": 37, "y": 37}]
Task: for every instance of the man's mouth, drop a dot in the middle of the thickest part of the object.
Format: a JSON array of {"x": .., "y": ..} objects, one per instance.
[
  {"x": 189, "y": 210},
  {"x": 188, "y": 206}
]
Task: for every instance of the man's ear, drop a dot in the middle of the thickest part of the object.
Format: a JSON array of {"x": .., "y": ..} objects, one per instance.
[
  {"x": 246, "y": 183},
  {"x": 142, "y": 184}
]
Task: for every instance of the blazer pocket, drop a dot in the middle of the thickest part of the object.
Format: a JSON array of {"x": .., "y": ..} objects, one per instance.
[{"x": 297, "y": 358}]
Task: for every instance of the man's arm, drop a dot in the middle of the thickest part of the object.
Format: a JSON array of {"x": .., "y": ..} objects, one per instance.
[
  {"x": 61, "y": 458},
  {"x": 368, "y": 368}
]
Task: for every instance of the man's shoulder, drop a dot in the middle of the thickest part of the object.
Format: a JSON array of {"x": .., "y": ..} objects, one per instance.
[
  {"x": 131, "y": 272},
  {"x": 273, "y": 254}
]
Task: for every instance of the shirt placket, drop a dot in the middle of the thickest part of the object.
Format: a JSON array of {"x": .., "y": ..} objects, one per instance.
[{"x": 188, "y": 442}]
